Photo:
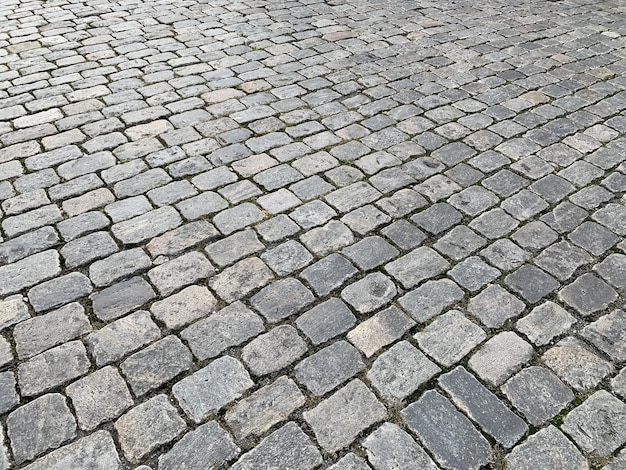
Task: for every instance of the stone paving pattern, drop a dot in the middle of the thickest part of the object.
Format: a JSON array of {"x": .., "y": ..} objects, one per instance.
[{"x": 307, "y": 234}]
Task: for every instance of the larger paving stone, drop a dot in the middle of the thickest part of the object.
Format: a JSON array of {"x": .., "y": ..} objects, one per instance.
[
  {"x": 146, "y": 226},
  {"x": 473, "y": 273},
  {"x": 182, "y": 308},
  {"x": 380, "y": 330},
  {"x": 576, "y": 365},
  {"x": 29, "y": 271},
  {"x": 209, "y": 446},
  {"x": 598, "y": 425},
  {"x": 179, "y": 239},
  {"x": 538, "y": 394},
  {"x": 229, "y": 327},
  {"x": 545, "y": 322},
  {"x": 158, "y": 363},
  {"x": 94, "y": 452},
  {"x": 420, "y": 264},
  {"x": 400, "y": 371},
  {"x": 329, "y": 367},
  {"x": 326, "y": 320},
  {"x": 483, "y": 407},
  {"x": 499, "y": 357},
  {"x": 273, "y": 350},
  {"x": 236, "y": 218},
  {"x": 121, "y": 298},
  {"x": 264, "y": 408},
  {"x": 235, "y": 282},
  {"x": 389, "y": 447},
  {"x": 52, "y": 368},
  {"x": 431, "y": 298},
  {"x": 209, "y": 389},
  {"x": 235, "y": 247},
  {"x": 548, "y": 448},
  {"x": 99, "y": 397},
  {"x": 43, "y": 424},
  {"x": 118, "y": 265},
  {"x": 609, "y": 335},
  {"x": 328, "y": 238},
  {"x": 450, "y": 337},
  {"x": 37, "y": 334},
  {"x": 447, "y": 433},
  {"x": 337, "y": 420},
  {"x": 148, "y": 426},
  {"x": 180, "y": 272},
  {"x": 369, "y": 293},
  {"x": 281, "y": 299},
  {"x": 287, "y": 447},
  {"x": 13, "y": 310},
  {"x": 121, "y": 337},
  {"x": 588, "y": 294},
  {"x": 59, "y": 291}
]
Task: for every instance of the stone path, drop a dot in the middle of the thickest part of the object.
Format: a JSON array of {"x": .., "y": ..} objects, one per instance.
[{"x": 341, "y": 234}]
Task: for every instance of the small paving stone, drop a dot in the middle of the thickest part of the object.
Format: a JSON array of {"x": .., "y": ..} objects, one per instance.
[
  {"x": 328, "y": 273},
  {"x": 29, "y": 271},
  {"x": 312, "y": 214},
  {"x": 562, "y": 259},
  {"x": 179, "y": 239},
  {"x": 28, "y": 244},
  {"x": 459, "y": 243},
  {"x": 370, "y": 252},
  {"x": 147, "y": 426},
  {"x": 369, "y": 293},
  {"x": 122, "y": 337},
  {"x": 446, "y": 433},
  {"x": 209, "y": 389},
  {"x": 350, "y": 462},
  {"x": 287, "y": 447},
  {"x": 158, "y": 363},
  {"x": 87, "y": 249},
  {"x": 473, "y": 273},
  {"x": 42, "y": 332},
  {"x": 538, "y": 408},
  {"x": 400, "y": 371},
  {"x": 9, "y": 398},
  {"x": 437, "y": 218},
  {"x": 390, "y": 447},
  {"x": 43, "y": 424},
  {"x": 548, "y": 448},
  {"x": 96, "y": 452},
  {"x": 337, "y": 420},
  {"x": 208, "y": 446},
  {"x": 245, "y": 276},
  {"x": 531, "y": 283},
  {"x": 329, "y": 367},
  {"x": 613, "y": 270},
  {"x": 404, "y": 234},
  {"x": 326, "y": 320},
  {"x": 612, "y": 216},
  {"x": 430, "y": 299},
  {"x": 228, "y": 327},
  {"x": 450, "y": 337},
  {"x": 99, "y": 397},
  {"x": 380, "y": 330},
  {"x": 119, "y": 299},
  {"x": 576, "y": 365},
  {"x": 59, "y": 291},
  {"x": 420, "y": 264},
  {"x": 545, "y": 322},
  {"x": 82, "y": 224},
  {"x": 264, "y": 408},
  {"x": 234, "y": 247},
  {"x": 494, "y": 306},
  {"x": 593, "y": 237},
  {"x": 287, "y": 258},
  {"x": 598, "y": 424},
  {"x": 328, "y": 238},
  {"x": 494, "y": 224},
  {"x": 365, "y": 219},
  {"x": 500, "y": 357},
  {"x": 609, "y": 335},
  {"x": 182, "y": 308},
  {"x": 118, "y": 265},
  {"x": 483, "y": 407},
  {"x": 534, "y": 236},
  {"x": 281, "y": 299},
  {"x": 273, "y": 350},
  {"x": 618, "y": 383},
  {"x": 146, "y": 226},
  {"x": 52, "y": 368},
  {"x": 180, "y": 272},
  {"x": 588, "y": 294}
]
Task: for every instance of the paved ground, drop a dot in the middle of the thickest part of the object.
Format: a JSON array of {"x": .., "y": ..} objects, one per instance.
[{"x": 293, "y": 235}]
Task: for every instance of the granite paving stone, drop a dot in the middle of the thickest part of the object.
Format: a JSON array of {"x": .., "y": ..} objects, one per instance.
[{"x": 390, "y": 447}]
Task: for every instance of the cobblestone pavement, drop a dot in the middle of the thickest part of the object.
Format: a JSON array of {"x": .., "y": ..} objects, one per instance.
[{"x": 341, "y": 234}]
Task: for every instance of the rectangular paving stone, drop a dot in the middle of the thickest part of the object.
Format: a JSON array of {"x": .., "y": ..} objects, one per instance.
[
  {"x": 208, "y": 446},
  {"x": 202, "y": 205},
  {"x": 548, "y": 448},
  {"x": 42, "y": 332},
  {"x": 118, "y": 265},
  {"x": 380, "y": 330},
  {"x": 180, "y": 272},
  {"x": 158, "y": 363},
  {"x": 239, "y": 245},
  {"x": 229, "y": 327},
  {"x": 179, "y": 239},
  {"x": 237, "y": 218},
  {"x": 212, "y": 387},
  {"x": 326, "y": 320},
  {"x": 29, "y": 271},
  {"x": 89, "y": 248},
  {"x": 235, "y": 282},
  {"x": 391, "y": 447},
  {"x": 287, "y": 447},
  {"x": 146, "y": 226},
  {"x": 264, "y": 408},
  {"x": 28, "y": 244},
  {"x": 483, "y": 407},
  {"x": 446, "y": 432},
  {"x": 52, "y": 368},
  {"x": 184, "y": 307},
  {"x": 13, "y": 310},
  {"x": 82, "y": 224},
  {"x": 274, "y": 350},
  {"x": 119, "y": 299},
  {"x": 352, "y": 196},
  {"x": 337, "y": 420},
  {"x": 121, "y": 337},
  {"x": 59, "y": 291},
  {"x": 420, "y": 264},
  {"x": 281, "y": 299}
]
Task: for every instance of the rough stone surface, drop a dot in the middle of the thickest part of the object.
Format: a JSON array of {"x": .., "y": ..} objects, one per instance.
[
  {"x": 390, "y": 447},
  {"x": 548, "y": 448}
]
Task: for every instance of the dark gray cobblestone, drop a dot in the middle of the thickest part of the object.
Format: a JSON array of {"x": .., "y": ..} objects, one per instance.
[{"x": 312, "y": 235}]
